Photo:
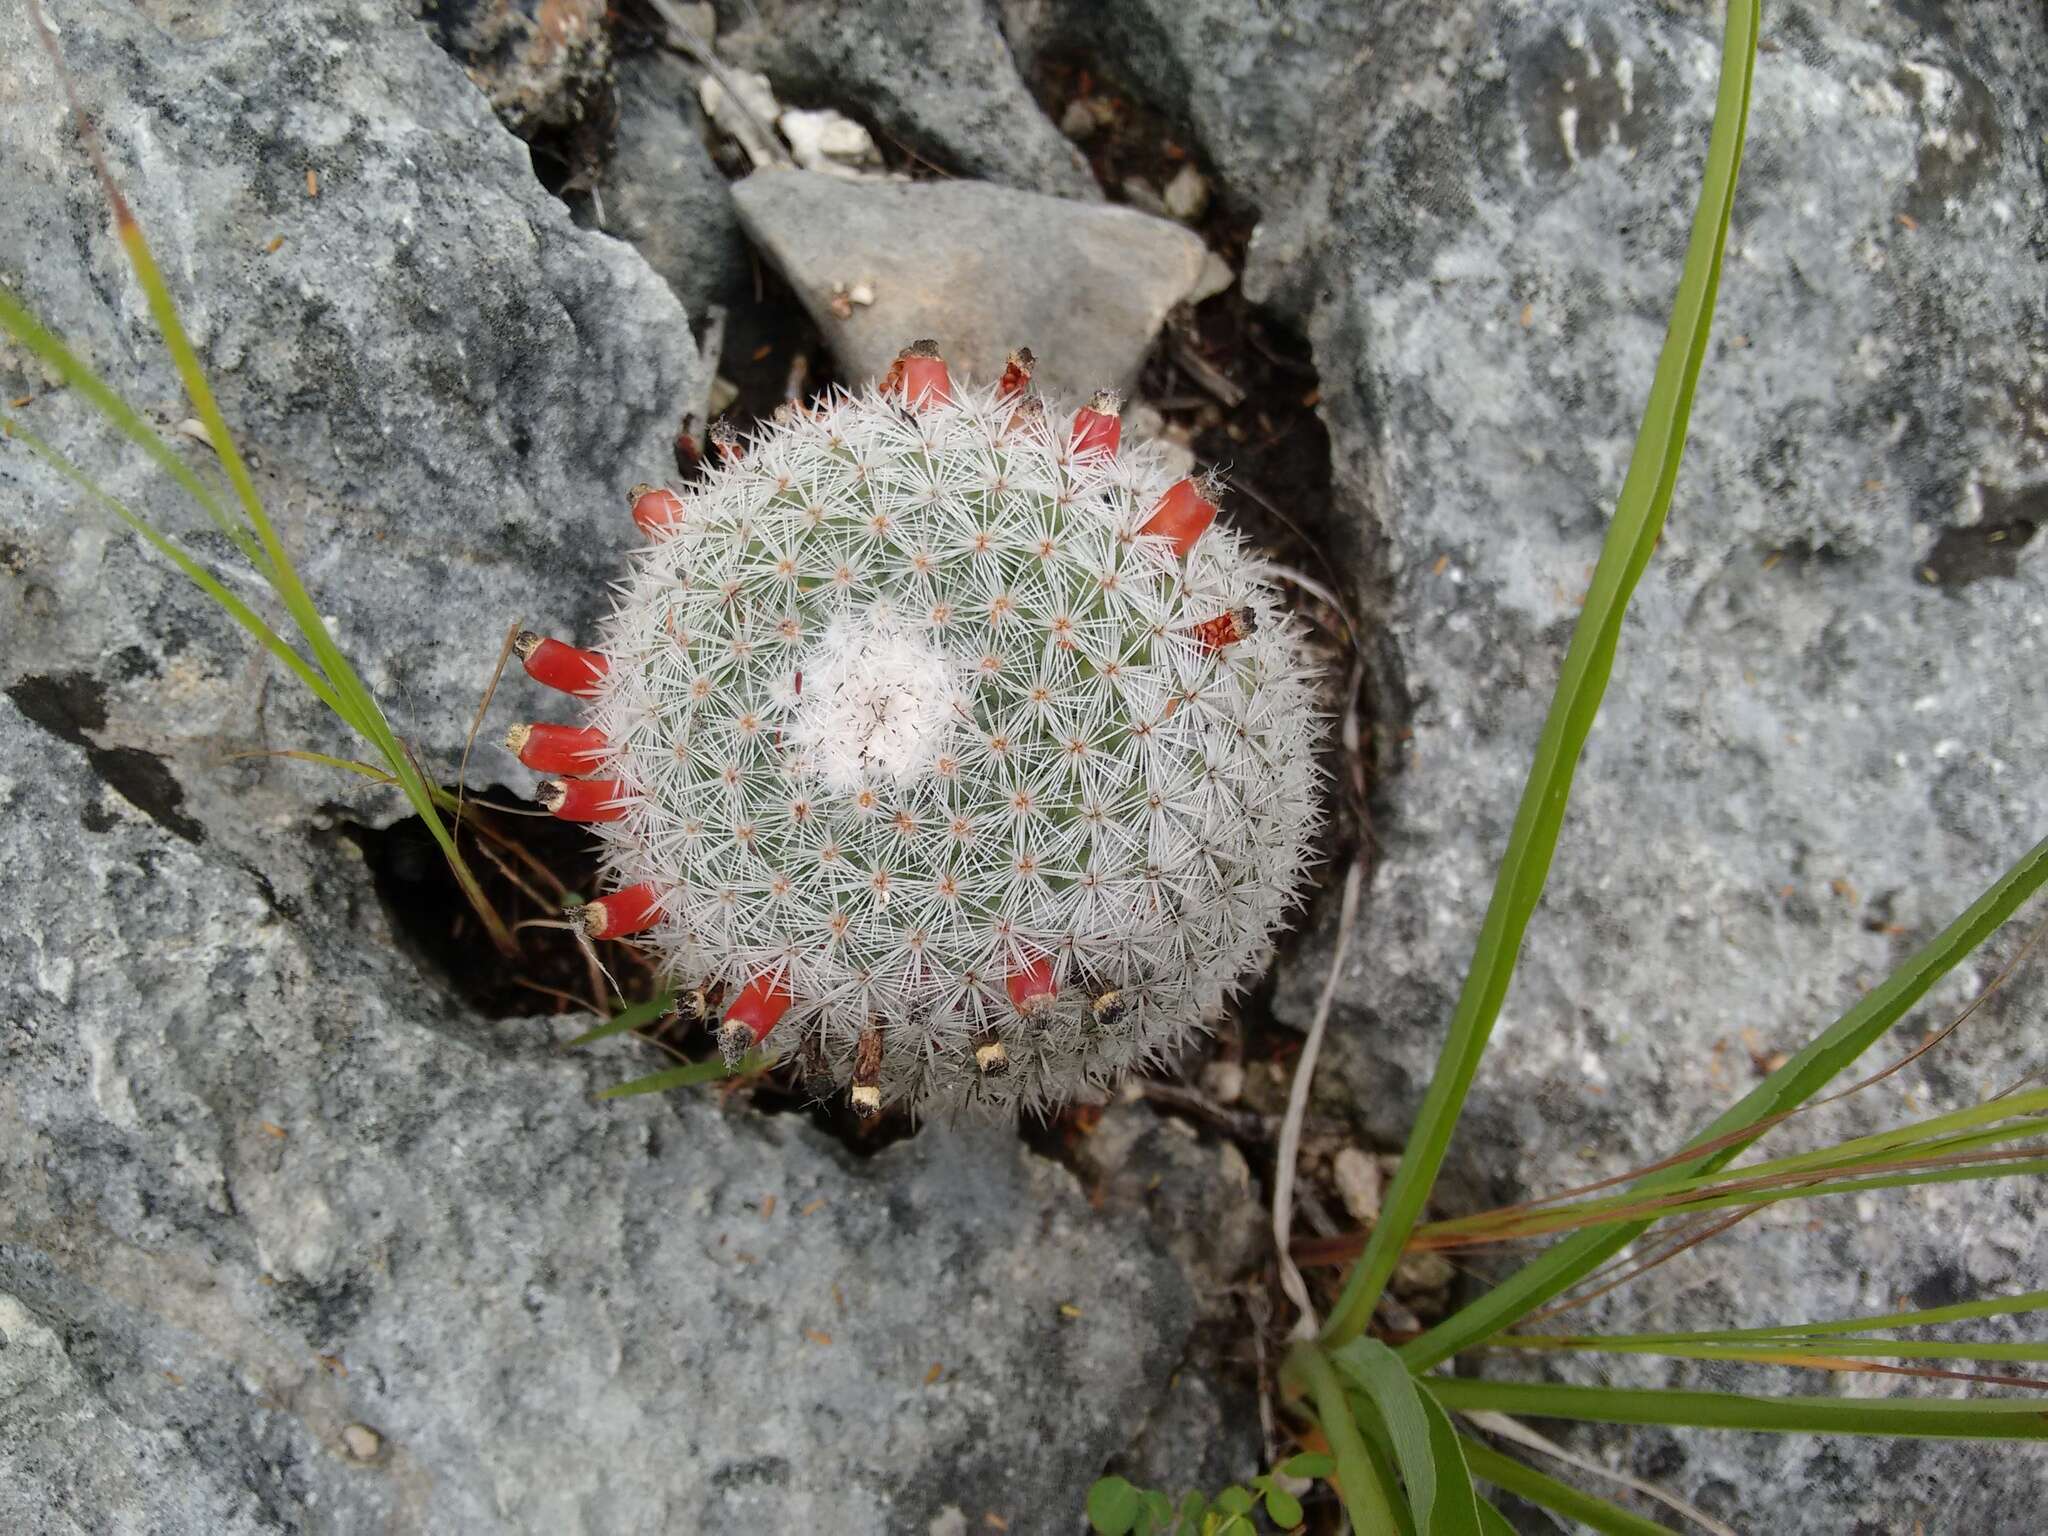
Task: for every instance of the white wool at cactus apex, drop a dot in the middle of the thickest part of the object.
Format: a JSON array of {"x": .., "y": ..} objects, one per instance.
[{"x": 944, "y": 741}]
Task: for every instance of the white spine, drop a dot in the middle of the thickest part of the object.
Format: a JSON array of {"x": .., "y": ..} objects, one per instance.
[{"x": 906, "y": 706}]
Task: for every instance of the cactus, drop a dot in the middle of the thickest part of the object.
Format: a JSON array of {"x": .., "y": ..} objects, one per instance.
[{"x": 943, "y": 743}]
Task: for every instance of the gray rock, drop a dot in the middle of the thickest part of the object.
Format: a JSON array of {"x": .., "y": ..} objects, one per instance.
[
  {"x": 1249, "y": 81},
  {"x": 269, "y": 1202},
  {"x": 289, "y": 1240},
  {"x": 1811, "y": 755},
  {"x": 982, "y": 269},
  {"x": 447, "y": 388},
  {"x": 1204, "y": 1435},
  {"x": 1196, "y": 1193},
  {"x": 661, "y": 191},
  {"x": 936, "y": 78}
]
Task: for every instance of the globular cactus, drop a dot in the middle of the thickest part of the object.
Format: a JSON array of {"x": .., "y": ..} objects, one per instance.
[{"x": 943, "y": 742}]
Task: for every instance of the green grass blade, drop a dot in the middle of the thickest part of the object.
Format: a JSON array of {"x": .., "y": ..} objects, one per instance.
[
  {"x": 1363, "y": 1482},
  {"x": 1525, "y": 1482},
  {"x": 1997, "y": 1418},
  {"x": 639, "y": 1016},
  {"x": 1377, "y": 1372},
  {"x": 1492, "y": 1522},
  {"x": 1961, "y": 1131},
  {"x": 357, "y": 706},
  {"x": 361, "y": 709},
  {"x": 1638, "y": 520},
  {"x": 204, "y": 579},
  {"x": 689, "y": 1076},
  {"x": 1956, "y": 1312},
  {"x": 1943, "y": 1164},
  {"x": 1458, "y": 1507},
  {"x": 1821, "y": 1060},
  {"x": 26, "y": 329},
  {"x": 1781, "y": 1351}
]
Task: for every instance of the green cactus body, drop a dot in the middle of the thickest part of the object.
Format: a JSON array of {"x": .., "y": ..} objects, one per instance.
[{"x": 963, "y": 786}]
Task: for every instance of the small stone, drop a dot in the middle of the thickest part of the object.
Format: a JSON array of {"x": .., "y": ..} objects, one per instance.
[
  {"x": 1223, "y": 1081},
  {"x": 830, "y": 142},
  {"x": 746, "y": 116},
  {"x": 1357, "y": 1177},
  {"x": 1421, "y": 1274},
  {"x": 723, "y": 393},
  {"x": 362, "y": 1441},
  {"x": 1187, "y": 195},
  {"x": 1079, "y": 121}
]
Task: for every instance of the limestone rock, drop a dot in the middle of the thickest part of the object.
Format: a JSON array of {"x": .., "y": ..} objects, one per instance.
[{"x": 980, "y": 268}]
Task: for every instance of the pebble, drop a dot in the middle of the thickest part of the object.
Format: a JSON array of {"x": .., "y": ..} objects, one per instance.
[
  {"x": 1187, "y": 196},
  {"x": 362, "y": 1441},
  {"x": 830, "y": 142},
  {"x": 744, "y": 118},
  {"x": 1079, "y": 120},
  {"x": 1357, "y": 1177},
  {"x": 1419, "y": 1274}
]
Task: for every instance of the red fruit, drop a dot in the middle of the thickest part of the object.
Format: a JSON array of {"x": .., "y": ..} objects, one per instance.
[
  {"x": 1182, "y": 517},
  {"x": 560, "y": 666},
  {"x": 584, "y": 799},
  {"x": 570, "y": 749},
  {"x": 1097, "y": 425},
  {"x": 632, "y": 910},
  {"x": 759, "y": 1007},
  {"x": 1032, "y": 988},
  {"x": 656, "y": 510}
]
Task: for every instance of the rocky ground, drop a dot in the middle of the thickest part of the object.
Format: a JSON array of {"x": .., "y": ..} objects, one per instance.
[{"x": 305, "y": 1222}]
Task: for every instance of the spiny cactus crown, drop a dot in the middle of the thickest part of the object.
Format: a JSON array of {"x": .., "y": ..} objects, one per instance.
[{"x": 961, "y": 783}]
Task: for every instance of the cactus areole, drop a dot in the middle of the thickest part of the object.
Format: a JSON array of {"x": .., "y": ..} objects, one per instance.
[{"x": 947, "y": 739}]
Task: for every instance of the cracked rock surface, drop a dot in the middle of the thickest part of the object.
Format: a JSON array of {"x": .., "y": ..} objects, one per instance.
[
  {"x": 261, "y": 1186},
  {"x": 290, "y": 1241}
]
